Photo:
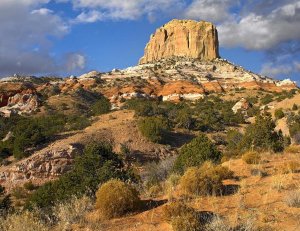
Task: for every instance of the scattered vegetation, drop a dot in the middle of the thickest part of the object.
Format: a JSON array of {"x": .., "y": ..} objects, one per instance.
[
  {"x": 101, "y": 106},
  {"x": 97, "y": 165},
  {"x": 261, "y": 135},
  {"x": 29, "y": 132}
]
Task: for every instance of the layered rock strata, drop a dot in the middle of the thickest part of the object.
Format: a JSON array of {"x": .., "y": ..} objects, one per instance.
[{"x": 183, "y": 38}]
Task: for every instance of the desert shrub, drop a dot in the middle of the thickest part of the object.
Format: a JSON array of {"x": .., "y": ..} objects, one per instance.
[
  {"x": 204, "y": 180},
  {"x": 279, "y": 114},
  {"x": 295, "y": 107},
  {"x": 290, "y": 167},
  {"x": 296, "y": 138},
  {"x": 261, "y": 135},
  {"x": 72, "y": 212},
  {"x": 266, "y": 99},
  {"x": 29, "y": 186},
  {"x": 278, "y": 182},
  {"x": 251, "y": 157},
  {"x": 116, "y": 198},
  {"x": 294, "y": 127},
  {"x": 154, "y": 128},
  {"x": 156, "y": 172},
  {"x": 22, "y": 221},
  {"x": 199, "y": 150},
  {"x": 19, "y": 193},
  {"x": 293, "y": 199},
  {"x": 101, "y": 106},
  {"x": 233, "y": 139},
  {"x": 143, "y": 107},
  {"x": 184, "y": 119},
  {"x": 96, "y": 165},
  {"x": 182, "y": 217},
  {"x": 5, "y": 205},
  {"x": 155, "y": 190}
]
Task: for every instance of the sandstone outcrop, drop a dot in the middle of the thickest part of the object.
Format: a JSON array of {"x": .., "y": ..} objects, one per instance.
[
  {"x": 183, "y": 38},
  {"x": 46, "y": 164}
]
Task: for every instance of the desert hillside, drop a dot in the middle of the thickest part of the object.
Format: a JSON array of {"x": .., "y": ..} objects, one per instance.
[{"x": 184, "y": 141}]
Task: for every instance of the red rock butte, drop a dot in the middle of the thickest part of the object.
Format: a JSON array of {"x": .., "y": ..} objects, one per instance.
[{"x": 183, "y": 38}]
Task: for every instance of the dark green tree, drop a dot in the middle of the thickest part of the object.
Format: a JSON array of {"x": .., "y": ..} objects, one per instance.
[{"x": 195, "y": 153}]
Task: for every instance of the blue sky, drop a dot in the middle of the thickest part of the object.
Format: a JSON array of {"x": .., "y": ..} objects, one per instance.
[{"x": 64, "y": 37}]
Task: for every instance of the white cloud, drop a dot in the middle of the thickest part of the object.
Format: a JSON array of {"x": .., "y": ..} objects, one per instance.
[
  {"x": 89, "y": 17},
  {"x": 99, "y": 10},
  {"x": 75, "y": 62},
  {"x": 210, "y": 10},
  {"x": 273, "y": 70},
  {"x": 261, "y": 32},
  {"x": 24, "y": 29},
  {"x": 297, "y": 66}
]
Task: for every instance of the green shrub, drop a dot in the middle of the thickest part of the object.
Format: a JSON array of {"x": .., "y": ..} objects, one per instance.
[
  {"x": 96, "y": 165},
  {"x": 101, "y": 106},
  {"x": 261, "y": 135},
  {"x": 182, "y": 217},
  {"x": 233, "y": 139},
  {"x": 266, "y": 99},
  {"x": 29, "y": 186},
  {"x": 143, "y": 107},
  {"x": 195, "y": 153},
  {"x": 29, "y": 132},
  {"x": 279, "y": 114},
  {"x": 154, "y": 128},
  {"x": 251, "y": 157},
  {"x": 204, "y": 180},
  {"x": 116, "y": 198}
]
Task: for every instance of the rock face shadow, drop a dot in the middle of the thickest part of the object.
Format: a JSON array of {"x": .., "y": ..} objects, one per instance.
[
  {"x": 176, "y": 140},
  {"x": 151, "y": 204},
  {"x": 229, "y": 189},
  {"x": 206, "y": 217}
]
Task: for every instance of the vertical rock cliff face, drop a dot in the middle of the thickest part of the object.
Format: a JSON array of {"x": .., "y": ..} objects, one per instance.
[{"x": 183, "y": 38}]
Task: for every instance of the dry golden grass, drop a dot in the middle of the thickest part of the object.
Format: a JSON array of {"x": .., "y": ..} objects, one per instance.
[
  {"x": 205, "y": 180},
  {"x": 251, "y": 157},
  {"x": 292, "y": 149},
  {"x": 293, "y": 199},
  {"x": 24, "y": 221},
  {"x": 182, "y": 217},
  {"x": 290, "y": 167},
  {"x": 72, "y": 212}
]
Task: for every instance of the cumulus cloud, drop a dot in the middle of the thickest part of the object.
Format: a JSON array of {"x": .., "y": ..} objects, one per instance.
[
  {"x": 75, "y": 62},
  {"x": 99, "y": 10},
  {"x": 24, "y": 27},
  {"x": 275, "y": 70},
  {"x": 263, "y": 31},
  {"x": 210, "y": 10}
]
